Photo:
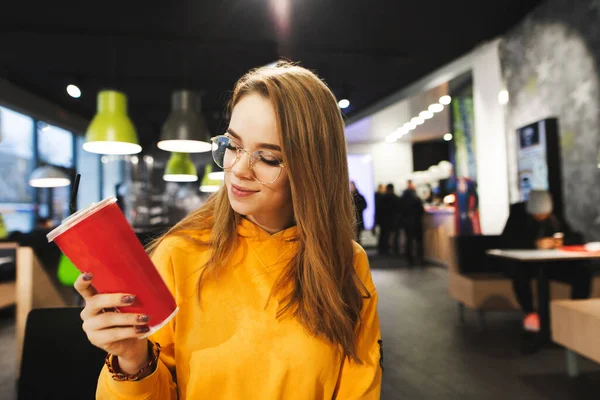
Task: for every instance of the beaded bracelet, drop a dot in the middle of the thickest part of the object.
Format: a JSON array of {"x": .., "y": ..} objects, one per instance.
[{"x": 113, "y": 364}]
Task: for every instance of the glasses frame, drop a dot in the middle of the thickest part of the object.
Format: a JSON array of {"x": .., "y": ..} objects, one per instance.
[{"x": 251, "y": 159}]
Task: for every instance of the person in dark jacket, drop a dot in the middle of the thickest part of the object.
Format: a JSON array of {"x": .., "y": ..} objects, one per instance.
[
  {"x": 360, "y": 204},
  {"x": 534, "y": 226},
  {"x": 411, "y": 220},
  {"x": 380, "y": 192},
  {"x": 387, "y": 210}
]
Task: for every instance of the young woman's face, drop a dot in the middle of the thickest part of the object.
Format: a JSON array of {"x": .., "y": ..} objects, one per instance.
[{"x": 253, "y": 127}]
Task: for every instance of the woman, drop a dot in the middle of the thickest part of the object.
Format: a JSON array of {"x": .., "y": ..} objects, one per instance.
[{"x": 275, "y": 299}]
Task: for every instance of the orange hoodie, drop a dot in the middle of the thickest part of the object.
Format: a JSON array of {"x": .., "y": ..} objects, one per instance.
[{"x": 233, "y": 347}]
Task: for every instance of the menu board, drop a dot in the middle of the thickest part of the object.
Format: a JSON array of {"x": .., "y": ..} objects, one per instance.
[{"x": 532, "y": 159}]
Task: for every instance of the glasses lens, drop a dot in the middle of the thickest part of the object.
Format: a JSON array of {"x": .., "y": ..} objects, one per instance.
[
  {"x": 223, "y": 151},
  {"x": 267, "y": 167}
]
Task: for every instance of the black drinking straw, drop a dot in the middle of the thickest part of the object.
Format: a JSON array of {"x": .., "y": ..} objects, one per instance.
[{"x": 73, "y": 202}]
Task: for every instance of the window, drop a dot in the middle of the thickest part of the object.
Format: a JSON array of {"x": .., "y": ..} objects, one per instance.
[
  {"x": 16, "y": 163},
  {"x": 55, "y": 146}
]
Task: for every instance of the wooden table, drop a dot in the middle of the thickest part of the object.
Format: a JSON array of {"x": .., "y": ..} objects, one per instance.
[{"x": 538, "y": 259}]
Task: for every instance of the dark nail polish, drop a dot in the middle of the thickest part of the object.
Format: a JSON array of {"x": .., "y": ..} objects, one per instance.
[
  {"x": 87, "y": 276},
  {"x": 129, "y": 299},
  {"x": 143, "y": 318},
  {"x": 142, "y": 329}
]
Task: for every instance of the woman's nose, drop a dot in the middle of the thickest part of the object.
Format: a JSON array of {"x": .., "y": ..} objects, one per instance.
[{"x": 241, "y": 169}]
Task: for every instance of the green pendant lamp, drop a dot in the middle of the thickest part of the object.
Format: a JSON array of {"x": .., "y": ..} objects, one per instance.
[
  {"x": 67, "y": 273},
  {"x": 3, "y": 230},
  {"x": 185, "y": 130},
  {"x": 48, "y": 177},
  {"x": 216, "y": 173},
  {"x": 111, "y": 131},
  {"x": 180, "y": 168},
  {"x": 208, "y": 184}
]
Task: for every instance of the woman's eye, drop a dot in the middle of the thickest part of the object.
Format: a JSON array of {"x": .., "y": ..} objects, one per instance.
[{"x": 270, "y": 160}]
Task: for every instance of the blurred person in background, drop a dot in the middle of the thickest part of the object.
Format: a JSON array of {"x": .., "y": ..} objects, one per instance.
[
  {"x": 380, "y": 191},
  {"x": 360, "y": 204},
  {"x": 411, "y": 221},
  {"x": 387, "y": 213},
  {"x": 535, "y": 229}
]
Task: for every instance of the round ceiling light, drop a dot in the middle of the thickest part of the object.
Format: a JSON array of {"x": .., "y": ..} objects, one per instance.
[
  {"x": 436, "y": 108},
  {"x": 445, "y": 100},
  {"x": 417, "y": 121},
  {"x": 74, "y": 91}
]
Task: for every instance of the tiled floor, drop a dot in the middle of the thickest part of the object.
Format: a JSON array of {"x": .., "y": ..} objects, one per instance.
[{"x": 428, "y": 354}]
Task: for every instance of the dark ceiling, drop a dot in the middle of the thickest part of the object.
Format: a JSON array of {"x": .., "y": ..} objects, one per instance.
[{"x": 364, "y": 50}]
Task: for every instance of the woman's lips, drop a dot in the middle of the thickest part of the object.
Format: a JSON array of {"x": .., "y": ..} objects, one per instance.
[{"x": 239, "y": 191}]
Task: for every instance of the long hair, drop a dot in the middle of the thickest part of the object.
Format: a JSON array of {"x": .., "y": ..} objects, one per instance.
[{"x": 320, "y": 287}]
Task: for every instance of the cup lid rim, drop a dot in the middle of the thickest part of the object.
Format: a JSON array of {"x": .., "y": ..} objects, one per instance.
[{"x": 79, "y": 216}]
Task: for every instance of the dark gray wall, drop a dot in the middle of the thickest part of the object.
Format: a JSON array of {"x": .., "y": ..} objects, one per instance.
[{"x": 550, "y": 64}]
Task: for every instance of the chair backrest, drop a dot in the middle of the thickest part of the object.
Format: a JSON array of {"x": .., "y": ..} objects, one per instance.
[
  {"x": 58, "y": 361},
  {"x": 8, "y": 262},
  {"x": 471, "y": 254}
]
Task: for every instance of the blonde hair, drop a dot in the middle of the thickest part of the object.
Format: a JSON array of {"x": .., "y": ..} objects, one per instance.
[{"x": 326, "y": 295}]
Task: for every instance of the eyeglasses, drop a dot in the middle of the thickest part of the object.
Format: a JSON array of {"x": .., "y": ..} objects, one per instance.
[{"x": 265, "y": 166}]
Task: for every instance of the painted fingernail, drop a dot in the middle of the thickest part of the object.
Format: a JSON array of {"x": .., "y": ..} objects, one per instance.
[
  {"x": 143, "y": 318},
  {"x": 142, "y": 329},
  {"x": 87, "y": 276},
  {"x": 129, "y": 299}
]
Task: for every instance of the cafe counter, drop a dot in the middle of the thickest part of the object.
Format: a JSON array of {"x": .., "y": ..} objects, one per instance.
[{"x": 438, "y": 228}]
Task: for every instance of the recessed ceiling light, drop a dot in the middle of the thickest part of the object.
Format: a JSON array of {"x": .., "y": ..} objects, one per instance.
[
  {"x": 74, "y": 91},
  {"x": 417, "y": 120},
  {"x": 344, "y": 103},
  {"x": 448, "y": 137},
  {"x": 445, "y": 100},
  {"x": 426, "y": 114},
  {"x": 390, "y": 139},
  {"x": 410, "y": 126},
  {"x": 436, "y": 108}
]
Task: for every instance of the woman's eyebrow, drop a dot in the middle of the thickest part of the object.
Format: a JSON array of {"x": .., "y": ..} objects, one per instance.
[{"x": 268, "y": 146}]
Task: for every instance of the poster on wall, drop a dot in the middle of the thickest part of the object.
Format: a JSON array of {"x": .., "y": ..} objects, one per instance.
[
  {"x": 532, "y": 159},
  {"x": 464, "y": 180}
]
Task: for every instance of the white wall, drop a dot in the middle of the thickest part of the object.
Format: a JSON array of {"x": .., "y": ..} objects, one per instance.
[
  {"x": 360, "y": 168},
  {"x": 392, "y": 162},
  {"x": 490, "y": 139}
]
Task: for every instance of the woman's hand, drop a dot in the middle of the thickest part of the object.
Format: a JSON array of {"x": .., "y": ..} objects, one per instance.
[{"x": 114, "y": 332}]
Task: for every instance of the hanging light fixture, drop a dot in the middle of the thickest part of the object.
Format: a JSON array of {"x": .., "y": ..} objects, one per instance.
[
  {"x": 111, "y": 130},
  {"x": 208, "y": 184},
  {"x": 48, "y": 177},
  {"x": 180, "y": 168},
  {"x": 217, "y": 173},
  {"x": 185, "y": 130}
]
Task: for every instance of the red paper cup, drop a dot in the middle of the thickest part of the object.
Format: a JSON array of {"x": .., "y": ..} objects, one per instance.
[{"x": 99, "y": 240}]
